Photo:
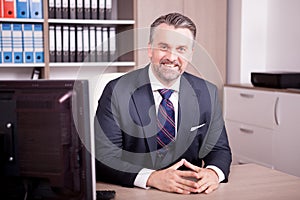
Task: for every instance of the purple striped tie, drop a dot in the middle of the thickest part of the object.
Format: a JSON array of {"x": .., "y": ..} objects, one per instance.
[{"x": 165, "y": 120}]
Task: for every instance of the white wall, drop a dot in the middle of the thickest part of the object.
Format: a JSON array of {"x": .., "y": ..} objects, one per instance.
[{"x": 267, "y": 34}]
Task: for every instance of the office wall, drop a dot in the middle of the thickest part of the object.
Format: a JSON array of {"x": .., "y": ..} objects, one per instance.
[{"x": 263, "y": 35}]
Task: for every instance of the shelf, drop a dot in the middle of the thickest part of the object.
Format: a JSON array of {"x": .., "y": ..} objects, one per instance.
[
  {"x": 21, "y": 20},
  {"x": 2, "y": 65},
  {"x": 90, "y": 21},
  {"x": 92, "y": 64}
]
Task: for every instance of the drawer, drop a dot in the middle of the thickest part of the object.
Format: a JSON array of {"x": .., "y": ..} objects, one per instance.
[
  {"x": 250, "y": 106},
  {"x": 250, "y": 143}
]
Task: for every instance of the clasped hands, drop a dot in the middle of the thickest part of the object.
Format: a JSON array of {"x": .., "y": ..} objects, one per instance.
[{"x": 178, "y": 181}]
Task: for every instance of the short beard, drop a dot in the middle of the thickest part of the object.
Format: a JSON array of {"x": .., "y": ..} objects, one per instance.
[{"x": 167, "y": 76}]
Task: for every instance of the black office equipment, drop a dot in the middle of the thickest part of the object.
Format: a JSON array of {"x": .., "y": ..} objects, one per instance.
[
  {"x": 45, "y": 140},
  {"x": 276, "y": 79}
]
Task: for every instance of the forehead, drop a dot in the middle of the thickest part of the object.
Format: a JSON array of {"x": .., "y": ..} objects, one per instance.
[{"x": 169, "y": 34}]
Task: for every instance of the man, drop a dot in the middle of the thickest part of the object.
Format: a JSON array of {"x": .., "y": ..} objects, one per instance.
[{"x": 159, "y": 126}]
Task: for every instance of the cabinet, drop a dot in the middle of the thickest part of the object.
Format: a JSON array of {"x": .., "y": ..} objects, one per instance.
[
  {"x": 263, "y": 126},
  {"x": 122, "y": 20}
]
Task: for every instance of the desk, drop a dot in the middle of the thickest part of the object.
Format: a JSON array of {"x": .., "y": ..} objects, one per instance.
[{"x": 246, "y": 182}]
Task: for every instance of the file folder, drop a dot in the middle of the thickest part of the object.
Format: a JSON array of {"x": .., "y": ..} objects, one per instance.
[
  {"x": 101, "y": 9},
  {"x": 92, "y": 54},
  {"x": 9, "y": 9},
  {"x": 66, "y": 44},
  {"x": 36, "y": 9},
  {"x": 58, "y": 44},
  {"x": 58, "y": 9},
  {"x": 108, "y": 7},
  {"x": 38, "y": 43},
  {"x": 22, "y": 8},
  {"x": 52, "y": 43},
  {"x": 51, "y": 9},
  {"x": 79, "y": 49},
  {"x": 105, "y": 46},
  {"x": 94, "y": 9},
  {"x": 87, "y": 9},
  {"x": 28, "y": 43},
  {"x": 1, "y": 50},
  {"x": 65, "y": 9},
  {"x": 79, "y": 9},
  {"x": 86, "y": 43},
  {"x": 112, "y": 44},
  {"x": 72, "y": 9},
  {"x": 99, "y": 44},
  {"x": 72, "y": 44},
  {"x": 7, "y": 43},
  {"x": 1, "y": 10},
  {"x": 17, "y": 43}
]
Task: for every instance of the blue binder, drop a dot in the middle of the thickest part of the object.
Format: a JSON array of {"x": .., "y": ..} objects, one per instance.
[
  {"x": 22, "y": 8},
  {"x": 7, "y": 43},
  {"x": 1, "y": 50},
  {"x": 38, "y": 43},
  {"x": 28, "y": 43},
  {"x": 17, "y": 43},
  {"x": 36, "y": 9}
]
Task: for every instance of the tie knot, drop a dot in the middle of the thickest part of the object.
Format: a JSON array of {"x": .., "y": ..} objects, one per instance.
[{"x": 165, "y": 93}]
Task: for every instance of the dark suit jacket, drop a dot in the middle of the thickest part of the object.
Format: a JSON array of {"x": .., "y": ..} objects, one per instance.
[{"x": 125, "y": 128}]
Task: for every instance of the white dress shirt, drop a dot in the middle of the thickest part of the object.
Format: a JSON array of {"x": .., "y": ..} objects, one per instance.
[{"x": 143, "y": 175}]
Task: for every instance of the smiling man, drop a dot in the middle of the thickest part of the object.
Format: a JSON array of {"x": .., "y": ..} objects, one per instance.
[{"x": 159, "y": 126}]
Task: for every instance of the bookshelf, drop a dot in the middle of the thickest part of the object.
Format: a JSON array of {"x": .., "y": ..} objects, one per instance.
[{"x": 121, "y": 19}]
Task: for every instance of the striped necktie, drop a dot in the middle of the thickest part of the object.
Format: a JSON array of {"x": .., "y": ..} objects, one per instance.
[{"x": 165, "y": 120}]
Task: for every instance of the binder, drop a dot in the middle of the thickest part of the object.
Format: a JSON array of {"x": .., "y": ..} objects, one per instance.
[
  {"x": 58, "y": 9},
  {"x": 22, "y": 8},
  {"x": 7, "y": 43},
  {"x": 1, "y": 11},
  {"x": 92, "y": 54},
  {"x": 94, "y": 9},
  {"x": 38, "y": 43},
  {"x": 99, "y": 44},
  {"x": 79, "y": 49},
  {"x": 58, "y": 44},
  {"x": 105, "y": 47},
  {"x": 9, "y": 9},
  {"x": 79, "y": 9},
  {"x": 72, "y": 9},
  {"x": 36, "y": 73},
  {"x": 112, "y": 44},
  {"x": 36, "y": 9},
  {"x": 28, "y": 43},
  {"x": 17, "y": 43},
  {"x": 72, "y": 48},
  {"x": 1, "y": 50},
  {"x": 66, "y": 44},
  {"x": 86, "y": 43},
  {"x": 87, "y": 9},
  {"x": 101, "y": 9},
  {"x": 108, "y": 7},
  {"x": 51, "y": 9},
  {"x": 65, "y": 9},
  {"x": 52, "y": 43}
]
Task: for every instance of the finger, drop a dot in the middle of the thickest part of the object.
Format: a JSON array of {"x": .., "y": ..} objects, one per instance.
[
  {"x": 180, "y": 189},
  {"x": 188, "y": 174},
  {"x": 202, "y": 188},
  {"x": 177, "y": 165},
  {"x": 191, "y": 166},
  {"x": 211, "y": 188}
]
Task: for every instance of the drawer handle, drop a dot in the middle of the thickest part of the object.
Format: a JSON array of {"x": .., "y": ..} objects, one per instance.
[
  {"x": 249, "y": 96},
  {"x": 248, "y": 131}
]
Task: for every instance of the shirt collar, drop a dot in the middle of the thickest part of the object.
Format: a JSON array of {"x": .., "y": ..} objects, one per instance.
[{"x": 156, "y": 84}]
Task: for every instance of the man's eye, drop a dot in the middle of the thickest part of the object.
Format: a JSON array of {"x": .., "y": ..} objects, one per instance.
[
  {"x": 164, "y": 47},
  {"x": 182, "y": 49}
]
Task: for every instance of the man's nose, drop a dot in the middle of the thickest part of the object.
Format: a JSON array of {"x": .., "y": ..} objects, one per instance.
[{"x": 172, "y": 55}]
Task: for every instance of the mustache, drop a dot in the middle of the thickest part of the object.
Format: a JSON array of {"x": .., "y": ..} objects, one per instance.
[{"x": 169, "y": 62}]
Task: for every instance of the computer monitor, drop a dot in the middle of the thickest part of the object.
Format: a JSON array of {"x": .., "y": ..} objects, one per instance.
[{"x": 45, "y": 140}]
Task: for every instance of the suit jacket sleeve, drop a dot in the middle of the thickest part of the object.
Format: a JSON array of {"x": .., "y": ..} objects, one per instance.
[{"x": 108, "y": 144}]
